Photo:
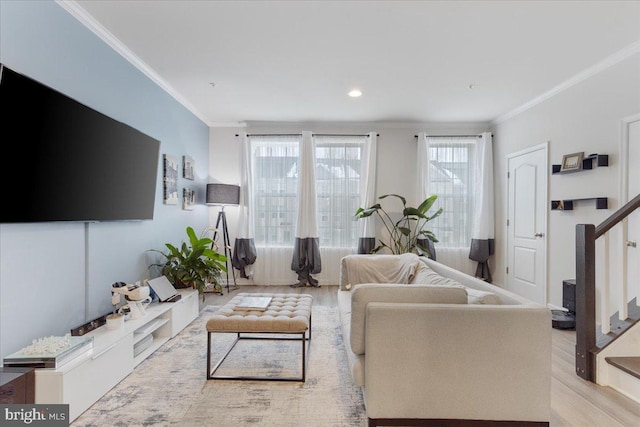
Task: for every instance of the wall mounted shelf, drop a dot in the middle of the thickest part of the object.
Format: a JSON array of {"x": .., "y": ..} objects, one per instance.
[
  {"x": 600, "y": 160},
  {"x": 567, "y": 204}
]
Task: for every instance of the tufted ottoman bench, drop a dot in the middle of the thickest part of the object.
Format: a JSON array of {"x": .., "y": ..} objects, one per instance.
[{"x": 285, "y": 314}]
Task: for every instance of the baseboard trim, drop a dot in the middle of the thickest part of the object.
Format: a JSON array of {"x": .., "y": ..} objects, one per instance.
[{"x": 430, "y": 422}]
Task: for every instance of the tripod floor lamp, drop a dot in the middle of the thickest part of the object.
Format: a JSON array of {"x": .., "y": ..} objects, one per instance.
[{"x": 224, "y": 195}]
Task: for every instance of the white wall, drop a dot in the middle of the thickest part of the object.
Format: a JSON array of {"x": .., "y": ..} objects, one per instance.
[
  {"x": 56, "y": 276},
  {"x": 586, "y": 117},
  {"x": 396, "y": 163}
]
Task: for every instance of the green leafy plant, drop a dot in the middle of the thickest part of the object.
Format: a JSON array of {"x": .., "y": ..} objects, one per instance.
[
  {"x": 408, "y": 234},
  {"x": 194, "y": 264}
]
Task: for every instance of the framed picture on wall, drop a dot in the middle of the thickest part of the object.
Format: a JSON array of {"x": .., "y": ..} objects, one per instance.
[
  {"x": 572, "y": 161},
  {"x": 188, "y": 199},
  {"x": 170, "y": 176},
  {"x": 187, "y": 167}
]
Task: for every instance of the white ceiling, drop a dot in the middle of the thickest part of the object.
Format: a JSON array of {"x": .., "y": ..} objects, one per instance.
[{"x": 413, "y": 60}]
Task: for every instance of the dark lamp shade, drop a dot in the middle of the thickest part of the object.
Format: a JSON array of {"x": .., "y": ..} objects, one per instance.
[{"x": 223, "y": 194}]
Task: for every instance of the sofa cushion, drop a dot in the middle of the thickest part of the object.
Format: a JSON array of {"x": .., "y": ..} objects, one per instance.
[
  {"x": 482, "y": 297},
  {"x": 506, "y": 297},
  {"x": 427, "y": 276},
  {"x": 363, "y": 294}
]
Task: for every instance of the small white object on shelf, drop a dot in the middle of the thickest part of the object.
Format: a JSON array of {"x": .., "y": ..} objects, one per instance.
[
  {"x": 254, "y": 303},
  {"x": 80, "y": 383},
  {"x": 50, "y": 352},
  {"x": 115, "y": 321}
]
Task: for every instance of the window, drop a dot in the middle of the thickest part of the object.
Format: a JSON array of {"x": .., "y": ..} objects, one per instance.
[
  {"x": 451, "y": 176},
  {"x": 338, "y": 168},
  {"x": 275, "y": 166}
]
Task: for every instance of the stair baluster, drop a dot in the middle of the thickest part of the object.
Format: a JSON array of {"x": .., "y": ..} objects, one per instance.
[{"x": 588, "y": 344}]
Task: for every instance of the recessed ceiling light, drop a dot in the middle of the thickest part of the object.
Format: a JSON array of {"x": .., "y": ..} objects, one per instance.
[
  {"x": 471, "y": 86},
  {"x": 355, "y": 93}
]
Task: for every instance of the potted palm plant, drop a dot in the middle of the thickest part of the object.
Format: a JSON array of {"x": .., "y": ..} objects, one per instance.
[
  {"x": 194, "y": 264},
  {"x": 407, "y": 234}
]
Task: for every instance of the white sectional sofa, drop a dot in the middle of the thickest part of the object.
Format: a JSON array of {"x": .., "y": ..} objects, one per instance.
[{"x": 430, "y": 345}]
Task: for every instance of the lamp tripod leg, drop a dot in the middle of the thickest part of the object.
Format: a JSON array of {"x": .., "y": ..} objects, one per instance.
[
  {"x": 227, "y": 252},
  {"x": 221, "y": 219}
]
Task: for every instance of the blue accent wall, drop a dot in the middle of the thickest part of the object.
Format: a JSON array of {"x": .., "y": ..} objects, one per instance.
[{"x": 55, "y": 276}]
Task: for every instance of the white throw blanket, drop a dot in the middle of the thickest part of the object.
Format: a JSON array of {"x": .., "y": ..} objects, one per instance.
[{"x": 382, "y": 268}]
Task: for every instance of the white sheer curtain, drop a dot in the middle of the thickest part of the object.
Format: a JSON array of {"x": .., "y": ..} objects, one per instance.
[
  {"x": 338, "y": 183},
  {"x": 275, "y": 164},
  {"x": 244, "y": 251},
  {"x": 340, "y": 164},
  {"x": 306, "y": 260},
  {"x": 446, "y": 168},
  {"x": 482, "y": 233},
  {"x": 367, "y": 241}
]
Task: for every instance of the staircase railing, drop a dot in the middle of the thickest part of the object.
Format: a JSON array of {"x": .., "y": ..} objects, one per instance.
[{"x": 587, "y": 346}]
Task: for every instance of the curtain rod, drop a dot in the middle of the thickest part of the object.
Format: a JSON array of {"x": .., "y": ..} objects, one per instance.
[
  {"x": 451, "y": 136},
  {"x": 272, "y": 134},
  {"x": 299, "y": 134},
  {"x": 341, "y": 134}
]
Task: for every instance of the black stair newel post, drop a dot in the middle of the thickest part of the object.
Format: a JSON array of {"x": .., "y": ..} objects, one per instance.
[{"x": 585, "y": 302}]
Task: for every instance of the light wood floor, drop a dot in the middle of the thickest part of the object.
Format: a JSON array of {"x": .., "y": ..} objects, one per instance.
[{"x": 574, "y": 402}]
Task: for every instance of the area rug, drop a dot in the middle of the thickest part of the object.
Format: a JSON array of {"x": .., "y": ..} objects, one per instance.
[{"x": 170, "y": 387}]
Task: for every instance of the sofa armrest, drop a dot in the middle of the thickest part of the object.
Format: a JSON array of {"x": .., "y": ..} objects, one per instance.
[
  {"x": 344, "y": 276},
  {"x": 458, "y": 361}
]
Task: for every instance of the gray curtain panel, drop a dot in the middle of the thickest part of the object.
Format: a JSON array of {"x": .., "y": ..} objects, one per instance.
[
  {"x": 481, "y": 250},
  {"x": 244, "y": 254},
  {"x": 366, "y": 245},
  {"x": 426, "y": 243},
  {"x": 306, "y": 255}
]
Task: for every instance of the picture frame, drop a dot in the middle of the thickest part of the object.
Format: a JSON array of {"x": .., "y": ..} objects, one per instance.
[
  {"x": 572, "y": 161},
  {"x": 188, "y": 167},
  {"x": 170, "y": 180},
  {"x": 188, "y": 199}
]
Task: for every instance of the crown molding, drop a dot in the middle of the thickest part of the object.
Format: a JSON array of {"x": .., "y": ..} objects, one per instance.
[
  {"x": 597, "y": 68},
  {"x": 105, "y": 35},
  {"x": 228, "y": 124},
  {"x": 75, "y": 10},
  {"x": 377, "y": 125}
]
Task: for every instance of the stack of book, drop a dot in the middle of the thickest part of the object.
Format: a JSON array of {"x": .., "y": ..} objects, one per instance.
[{"x": 254, "y": 303}]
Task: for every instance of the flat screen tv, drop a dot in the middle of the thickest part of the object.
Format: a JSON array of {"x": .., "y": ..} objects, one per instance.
[{"x": 64, "y": 161}]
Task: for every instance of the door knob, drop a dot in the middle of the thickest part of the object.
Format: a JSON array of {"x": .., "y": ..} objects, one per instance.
[
  {"x": 631, "y": 243},
  {"x": 539, "y": 235}
]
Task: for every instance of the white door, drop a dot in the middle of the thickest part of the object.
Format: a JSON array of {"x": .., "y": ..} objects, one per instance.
[
  {"x": 633, "y": 189},
  {"x": 527, "y": 223}
]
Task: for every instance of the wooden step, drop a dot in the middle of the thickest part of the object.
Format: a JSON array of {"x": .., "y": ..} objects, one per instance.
[{"x": 630, "y": 365}]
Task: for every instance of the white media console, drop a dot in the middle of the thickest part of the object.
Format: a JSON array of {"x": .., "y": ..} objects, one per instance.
[{"x": 84, "y": 380}]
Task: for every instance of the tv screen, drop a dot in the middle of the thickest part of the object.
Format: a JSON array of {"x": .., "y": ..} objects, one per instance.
[{"x": 70, "y": 162}]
